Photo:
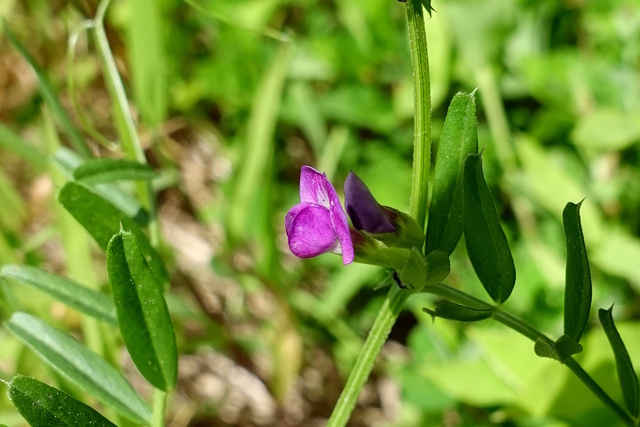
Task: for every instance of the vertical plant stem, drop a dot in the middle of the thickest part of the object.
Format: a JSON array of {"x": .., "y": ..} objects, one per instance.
[
  {"x": 122, "y": 115},
  {"x": 396, "y": 298},
  {"x": 422, "y": 110},
  {"x": 159, "y": 407},
  {"x": 378, "y": 334}
]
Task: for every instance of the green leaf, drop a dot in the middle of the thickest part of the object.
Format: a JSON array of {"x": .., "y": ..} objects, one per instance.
[
  {"x": 626, "y": 375},
  {"x": 80, "y": 365},
  {"x": 65, "y": 290},
  {"x": 486, "y": 242},
  {"x": 567, "y": 346},
  {"x": 546, "y": 349},
  {"x": 438, "y": 267},
  {"x": 458, "y": 140},
  {"x": 560, "y": 350},
  {"x": 105, "y": 170},
  {"x": 143, "y": 316},
  {"x": 413, "y": 274},
  {"x": 45, "y": 406},
  {"x": 427, "y": 5},
  {"x": 577, "y": 292},
  {"x": 103, "y": 220},
  {"x": 452, "y": 311},
  {"x": 49, "y": 95}
]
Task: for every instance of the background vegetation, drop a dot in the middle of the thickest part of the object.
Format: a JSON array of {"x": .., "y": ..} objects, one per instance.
[{"x": 233, "y": 97}]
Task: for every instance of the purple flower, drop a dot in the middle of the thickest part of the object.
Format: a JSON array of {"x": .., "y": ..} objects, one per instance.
[
  {"x": 363, "y": 209},
  {"x": 318, "y": 223}
]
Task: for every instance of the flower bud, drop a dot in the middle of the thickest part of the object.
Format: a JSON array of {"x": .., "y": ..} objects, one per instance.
[{"x": 363, "y": 209}]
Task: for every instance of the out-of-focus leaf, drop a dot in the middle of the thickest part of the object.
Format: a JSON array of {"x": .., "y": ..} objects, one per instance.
[
  {"x": 471, "y": 381},
  {"x": 80, "y": 365},
  {"x": 103, "y": 220},
  {"x": 45, "y": 406},
  {"x": 105, "y": 170},
  {"x": 618, "y": 255},
  {"x": 65, "y": 290},
  {"x": 452, "y": 311},
  {"x": 577, "y": 293},
  {"x": 626, "y": 375},
  {"x": 486, "y": 242},
  {"x": 143, "y": 316},
  {"x": 607, "y": 130},
  {"x": 49, "y": 95},
  {"x": 458, "y": 140}
]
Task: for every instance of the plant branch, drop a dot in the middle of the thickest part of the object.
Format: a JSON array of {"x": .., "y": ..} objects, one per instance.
[
  {"x": 422, "y": 111},
  {"x": 534, "y": 335}
]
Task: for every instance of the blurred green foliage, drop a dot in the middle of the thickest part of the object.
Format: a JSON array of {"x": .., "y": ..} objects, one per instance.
[{"x": 233, "y": 97}]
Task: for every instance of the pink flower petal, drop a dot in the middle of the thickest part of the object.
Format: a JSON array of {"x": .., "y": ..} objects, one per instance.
[
  {"x": 310, "y": 231},
  {"x": 315, "y": 187}
]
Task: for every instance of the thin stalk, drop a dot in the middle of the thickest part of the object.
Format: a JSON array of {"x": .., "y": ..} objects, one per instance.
[
  {"x": 123, "y": 118},
  {"x": 534, "y": 335},
  {"x": 159, "y": 407},
  {"x": 422, "y": 111},
  {"x": 496, "y": 116},
  {"x": 598, "y": 391},
  {"x": 378, "y": 334}
]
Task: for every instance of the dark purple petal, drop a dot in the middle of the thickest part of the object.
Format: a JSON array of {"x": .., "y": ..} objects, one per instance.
[
  {"x": 310, "y": 231},
  {"x": 363, "y": 209}
]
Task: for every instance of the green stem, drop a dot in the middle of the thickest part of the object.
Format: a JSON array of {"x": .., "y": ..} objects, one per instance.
[
  {"x": 534, "y": 335},
  {"x": 159, "y": 407},
  {"x": 422, "y": 111},
  {"x": 599, "y": 392},
  {"x": 123, "y": 118},
  {"x": 364, "y": 364}
]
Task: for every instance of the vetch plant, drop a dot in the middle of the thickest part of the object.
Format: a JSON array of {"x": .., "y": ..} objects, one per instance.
[
  {"x": 414, "y": 247},
  {"x": 461, "y": 205}
]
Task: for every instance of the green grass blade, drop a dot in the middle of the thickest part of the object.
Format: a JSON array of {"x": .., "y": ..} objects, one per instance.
[
  {"x": 14, "y": 143},
  {"x": 148, "y": 60},
  {"x": 143, "y": 316},
  {"x": 45, "y": 406},
  {"x": 65, "y": 290},
  {"x": 105, "y": 170},
  {"x": 577, "y": 292},
  {"x": 50, "y": 97},
  {"x": 259, "y": 143},
  {"x": 458, "y": 139},
  {"x": 80, "y": 365},
  {"x": 626, "y": 375},
  {"x": 487, "y": 245}
]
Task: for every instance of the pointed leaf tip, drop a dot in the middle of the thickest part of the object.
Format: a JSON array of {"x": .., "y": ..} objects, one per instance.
[{"x": 577, "y": 294}]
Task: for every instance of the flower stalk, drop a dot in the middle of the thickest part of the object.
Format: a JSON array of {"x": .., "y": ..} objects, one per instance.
[
  {"x": 378, "y": 334},
  {"x": 421, "y": 109}
]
